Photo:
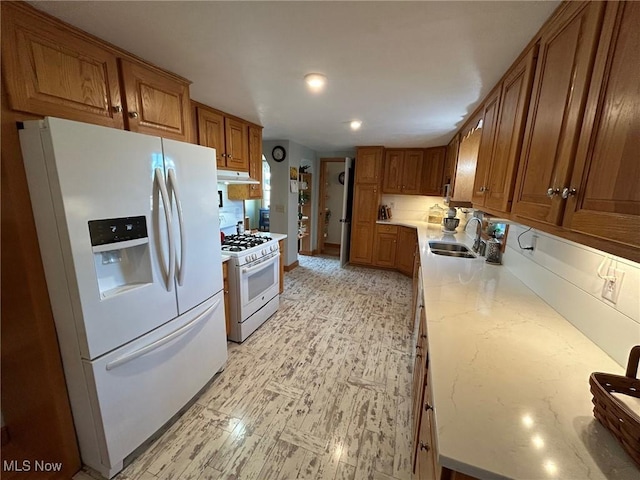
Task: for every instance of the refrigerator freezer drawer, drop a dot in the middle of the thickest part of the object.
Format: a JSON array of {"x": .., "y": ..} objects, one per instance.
[{"x": 142, "y": 385}]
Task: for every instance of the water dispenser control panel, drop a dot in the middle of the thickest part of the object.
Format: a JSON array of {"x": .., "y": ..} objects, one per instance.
[{"x": 113, "y": 230}]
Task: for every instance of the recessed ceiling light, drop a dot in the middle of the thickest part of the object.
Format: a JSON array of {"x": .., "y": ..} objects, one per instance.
[
  {"x": 355, "y": 124},
  {"x": 315, "y": 81}
]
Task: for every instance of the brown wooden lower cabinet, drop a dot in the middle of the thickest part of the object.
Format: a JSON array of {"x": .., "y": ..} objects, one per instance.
[
  {"x": 225, "y": 283},
  {"x": 281, "y": 247},
  {"x": 384, "y": 247},
  {"x": 406, "y": 250}
]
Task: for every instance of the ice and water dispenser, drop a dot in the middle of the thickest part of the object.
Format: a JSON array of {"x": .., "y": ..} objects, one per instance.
[{"x": 121, "y": 254}]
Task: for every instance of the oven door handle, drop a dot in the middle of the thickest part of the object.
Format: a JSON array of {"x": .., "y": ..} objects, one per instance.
[{"x": 261, "y": 265}]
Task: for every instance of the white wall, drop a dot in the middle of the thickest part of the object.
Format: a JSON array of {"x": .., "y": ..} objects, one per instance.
[
  {"x": 283, "y": 214},
  {"x": 231, "y": 212},
  {"x": 564, "y": 274}
]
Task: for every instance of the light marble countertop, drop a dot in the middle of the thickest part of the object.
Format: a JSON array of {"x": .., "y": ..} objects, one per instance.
[{"x": 510, "y": 376}]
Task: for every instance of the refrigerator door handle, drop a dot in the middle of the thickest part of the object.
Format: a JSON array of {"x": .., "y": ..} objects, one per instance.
[
  {"x": 164, "y": 340},
  {"x": 159, "y": 178},
  {"x": 173, "y": 185}
]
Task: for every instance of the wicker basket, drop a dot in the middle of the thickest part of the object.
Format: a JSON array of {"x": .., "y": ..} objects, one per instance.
[{"x": 623, "y": 423}]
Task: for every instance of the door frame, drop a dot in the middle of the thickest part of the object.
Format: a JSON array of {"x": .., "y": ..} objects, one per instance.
[{"x": 321, "y": 198}]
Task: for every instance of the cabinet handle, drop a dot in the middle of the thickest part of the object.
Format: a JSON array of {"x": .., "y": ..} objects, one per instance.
[
  {"x": 424, "y": 446},
  {"x": 423, "y": 336},
  {"x": 551, "y": 192},
  {"x": 117, "y": 109},
  {"x": 568, "y": 192},
  {"x": 418, "y": 355},
  {"x": 427, "y": 407},
  {"x": 133, "y": 114}
]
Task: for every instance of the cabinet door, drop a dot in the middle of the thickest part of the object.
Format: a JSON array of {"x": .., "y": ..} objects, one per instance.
[
  {"x": 385, "y": 250},
  {"x": 514, "y": 105},
  {"x": 432, "y": 171},
  {"x": 406, "y": 249},
  {"x": 225, "y": 284},
  {"x": 485, "y": 153},
  {"x": 412, "y": 171},
  {"x": 451, "y": 161},
  {"x": 49, "y": 70},
  {"x": 368, "y": 165},
  {"x": 467, "y": 159},
  {"x": 607, "y": 170},
  {"x": 211, "y": 133},
  {"x": 392, "y": 173},
  {"x": 156, "y": 103},
  {"x": 365, "y": 207},
  {"x": 236, "y": 135},
  {"x": 565, "y": 59},
  {"x": 255, "y": 161}
]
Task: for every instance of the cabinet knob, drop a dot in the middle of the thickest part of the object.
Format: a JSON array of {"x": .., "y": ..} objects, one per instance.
[
  {"x": 427, "y": 407},
  {"x": 424, "y": 446},
  {"x": 117, "y": 109},
  {"x": 423, "y": 336},
  {"x": 486, "y": 189},
  {"x": 229, "y": 156},
  {"x": 482, "y": 189},
  {"x": 551, "y": 192},
  {"x": 568, "y": 192},
  {"x": 133, "y": 114}
]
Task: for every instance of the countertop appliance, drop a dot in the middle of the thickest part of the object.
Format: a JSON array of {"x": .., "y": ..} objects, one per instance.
[
  {"x": 126, "y": 223},
  {"x": 254, "y": 282}
]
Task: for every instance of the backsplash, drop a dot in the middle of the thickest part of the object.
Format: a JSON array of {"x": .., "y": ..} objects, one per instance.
[
  {"x": 565, "y": 275},
  {"x": 416, "y": 207},
  {"x": 231, "y": 212}
]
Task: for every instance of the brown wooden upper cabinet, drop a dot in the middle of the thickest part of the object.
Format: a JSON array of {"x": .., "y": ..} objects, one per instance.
[
  {"x": 485, "y": 151},
  {"x": 451, "y": 160},
  {"x": 154, "y": 102},
  {"x": 52, "y": 70},
  {"x": 402, "y": 171},
  {"x": 603, "y": 196},
  {"x": 462, "y": 187},
  {"x": 565, "y": 60},
  {"x": 368, "y": 165},
  {"x": 229, "y": 136},
  {"x": 251, "y": 191},
  {"x": 504, "y": 122},
  {"x": 432, "y": 171},
  {"x": 255, "y": 161}
]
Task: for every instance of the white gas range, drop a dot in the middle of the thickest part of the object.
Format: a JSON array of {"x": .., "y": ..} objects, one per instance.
[{"x": 254, "y": 281}]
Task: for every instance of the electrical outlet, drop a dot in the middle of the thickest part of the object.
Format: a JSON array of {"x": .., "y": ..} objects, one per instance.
[
  {"x": 534, "y": 242},
  {"x": 612, "y": 285}
]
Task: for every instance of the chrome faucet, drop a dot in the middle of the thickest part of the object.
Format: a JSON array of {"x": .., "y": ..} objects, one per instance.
[{"x": 476, "y": 242}]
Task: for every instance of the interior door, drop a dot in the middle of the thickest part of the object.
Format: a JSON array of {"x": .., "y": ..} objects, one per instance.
[
  {"x": 191, "y": 179},
  {"x": 345, "y": 219}
]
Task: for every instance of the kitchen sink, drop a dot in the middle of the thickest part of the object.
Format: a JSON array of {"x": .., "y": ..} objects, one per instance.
[{"x": 451, "y": 250}]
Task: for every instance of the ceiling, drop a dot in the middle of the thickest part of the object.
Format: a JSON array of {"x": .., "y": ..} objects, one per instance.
[{"x": 411, "y": 71}]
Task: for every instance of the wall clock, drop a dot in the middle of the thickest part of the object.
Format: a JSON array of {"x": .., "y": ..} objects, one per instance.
[
  {"x": 279, "y": 153},
  {"x": 341, "y": 178}
]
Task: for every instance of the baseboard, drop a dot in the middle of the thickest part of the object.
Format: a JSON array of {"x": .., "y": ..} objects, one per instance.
[
  {"x": 5, "y": 435},
  {"x": 288, "y": 268}
]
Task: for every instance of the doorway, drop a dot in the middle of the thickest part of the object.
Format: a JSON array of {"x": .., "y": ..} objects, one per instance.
[{"x": 330, "y": 205}]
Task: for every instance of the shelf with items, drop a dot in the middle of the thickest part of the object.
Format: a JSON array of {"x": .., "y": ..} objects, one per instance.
[{"x": 304, "y": 214}]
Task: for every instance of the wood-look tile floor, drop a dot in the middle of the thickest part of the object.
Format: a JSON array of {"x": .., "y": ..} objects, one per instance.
[{"x": 320, "y": 391}]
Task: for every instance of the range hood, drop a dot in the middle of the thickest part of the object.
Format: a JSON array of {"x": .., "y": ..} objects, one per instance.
[{"x": 230, "y": 177}]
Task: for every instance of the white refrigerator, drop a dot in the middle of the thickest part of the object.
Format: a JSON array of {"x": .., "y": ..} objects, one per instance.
[{"x": 129, "y": 235}]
